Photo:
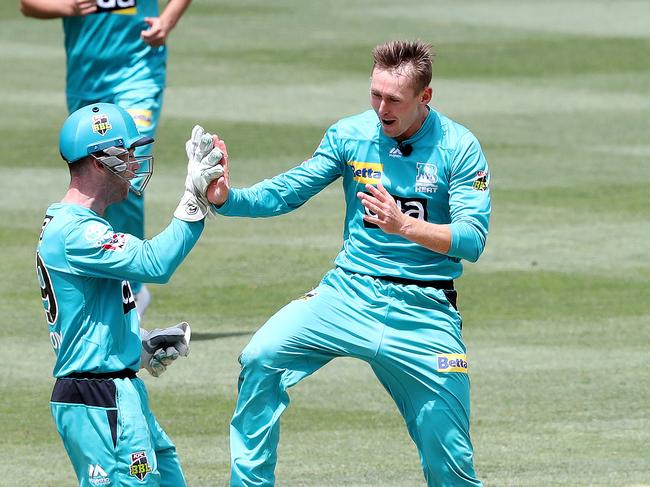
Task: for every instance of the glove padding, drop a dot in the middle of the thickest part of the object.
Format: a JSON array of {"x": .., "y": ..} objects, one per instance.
[
  {"x": 203, "y": 160},
  {"x": 202, "y": 168},
  {"x": 160, "y": 347}
]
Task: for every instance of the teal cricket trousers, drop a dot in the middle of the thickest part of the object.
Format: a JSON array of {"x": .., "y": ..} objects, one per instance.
[
  {"x": 111, "y": 436},
  {"x": 410, "y": 336}
]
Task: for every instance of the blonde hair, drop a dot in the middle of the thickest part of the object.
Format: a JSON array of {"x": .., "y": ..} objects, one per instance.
[{"x": 414, "y": 58}]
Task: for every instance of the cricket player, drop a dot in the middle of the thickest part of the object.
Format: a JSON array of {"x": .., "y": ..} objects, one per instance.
[
  {"x": 99, "y": 405},
  {"x": 116, "y": 53},
  {"x": 417, "y": 204}
]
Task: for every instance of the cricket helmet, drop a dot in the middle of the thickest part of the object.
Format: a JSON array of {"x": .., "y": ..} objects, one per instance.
[{"x": 106, "y": 132}]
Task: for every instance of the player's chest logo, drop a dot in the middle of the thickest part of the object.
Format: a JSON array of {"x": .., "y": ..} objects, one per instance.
[
  {"x": 426, "y": 179},
  {"x": 111, "y": 5},
  {"x": 413, "y": 207}
]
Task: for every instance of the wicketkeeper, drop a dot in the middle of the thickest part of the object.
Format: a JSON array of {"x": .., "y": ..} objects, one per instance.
[{"x": 99, "y": 405}]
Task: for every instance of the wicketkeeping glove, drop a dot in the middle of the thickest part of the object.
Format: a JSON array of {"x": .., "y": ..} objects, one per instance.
[
  {"x": 202, "y": 168},
  {"x": 160, "y": 347}
]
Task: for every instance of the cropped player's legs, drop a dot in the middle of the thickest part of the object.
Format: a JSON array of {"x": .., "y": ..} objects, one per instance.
[
  {"x": 106, "y": 433},
  {"x": 294, "y": 343},
  {"x": 169, "y": 466},
  {"x": 433, "y": 397}
]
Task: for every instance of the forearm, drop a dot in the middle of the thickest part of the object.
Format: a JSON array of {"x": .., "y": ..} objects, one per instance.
[
  {"x": 259, "y": 201},
  {"x": 430, "y": 235},
  {"x": 173, "y": 12},
  {"x": 160, "y": 257},
  {"x": 44, "y": 9}
]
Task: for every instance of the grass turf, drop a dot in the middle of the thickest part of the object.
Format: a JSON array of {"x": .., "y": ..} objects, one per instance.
[{"x": 556, "y": 311}]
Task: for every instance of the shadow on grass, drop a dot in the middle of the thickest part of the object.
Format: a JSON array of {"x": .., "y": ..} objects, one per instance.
[{"x": 214, "y": 336}]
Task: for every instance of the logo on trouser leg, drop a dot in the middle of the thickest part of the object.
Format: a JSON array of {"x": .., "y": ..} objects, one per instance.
[
  {"x": 97, "y": 475},
  {"x": 139, "y": 465},
  {"x": 451, "y": 362}
]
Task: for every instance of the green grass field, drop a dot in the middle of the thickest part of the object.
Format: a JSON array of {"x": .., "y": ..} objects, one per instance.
[{"x": 556, "y": 312}]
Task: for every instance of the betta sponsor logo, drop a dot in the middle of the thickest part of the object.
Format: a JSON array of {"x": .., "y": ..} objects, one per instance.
[
  {"x": 451, "y": 362},
  {"x": 101, "y": 124},
  {"x": 366, "y": 172}
]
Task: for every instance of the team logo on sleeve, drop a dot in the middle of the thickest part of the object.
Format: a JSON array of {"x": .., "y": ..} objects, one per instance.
[
  {"x": 366, "y": 172},
  {"x": 451, "y": 362},
  {"x": 101, "y": 124},
  {"x": 139, "y": 465},
  {"x": 99, "y": 235},
  {"x": 427, "y": 178},
  {"x": 480, "y": 181},
  {"x": 115, "y": 242}
]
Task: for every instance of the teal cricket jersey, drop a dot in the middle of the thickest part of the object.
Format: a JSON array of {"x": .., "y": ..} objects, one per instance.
[
  {"x": 83, "y": 268},
  {"x": 105, "y": 53},
  {"x": 444, "y": 180}
]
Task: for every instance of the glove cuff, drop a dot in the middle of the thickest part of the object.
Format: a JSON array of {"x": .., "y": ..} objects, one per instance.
[{"x": 191, "y": 208}]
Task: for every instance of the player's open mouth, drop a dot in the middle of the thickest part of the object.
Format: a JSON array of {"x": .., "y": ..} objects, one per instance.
[{"x": 387, "y": 122}]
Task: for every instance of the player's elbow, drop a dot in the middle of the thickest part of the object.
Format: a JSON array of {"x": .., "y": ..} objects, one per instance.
[
  {"x": 28, "y": 10},
  {"x": 467, "y": 241},
  {"x": 160, "y": 278},
  {"x": 25, "y": 9}
]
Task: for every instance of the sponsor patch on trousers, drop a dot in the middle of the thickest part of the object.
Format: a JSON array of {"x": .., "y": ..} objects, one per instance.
[{"x": 451, "y": 362}]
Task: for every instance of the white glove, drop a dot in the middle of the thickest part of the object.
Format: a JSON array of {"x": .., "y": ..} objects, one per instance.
[
  {"x": 202, "y": 160},
  {"x": 202, "y": 168},
  {"x": 160, "y": 347}
]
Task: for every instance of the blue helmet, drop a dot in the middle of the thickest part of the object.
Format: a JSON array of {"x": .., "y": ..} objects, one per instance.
[
  {"x": 95, "y": 127},
  {"x": 106, "y": 132}
]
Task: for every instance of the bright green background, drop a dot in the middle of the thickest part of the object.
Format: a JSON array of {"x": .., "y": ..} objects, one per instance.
[{"x": 556, "y": 311}]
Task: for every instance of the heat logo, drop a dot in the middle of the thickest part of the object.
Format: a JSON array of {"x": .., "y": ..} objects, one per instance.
[
  {"x": 451, "y": 362},
  {"x": 366, "y": 172},
  {"x": 427, "y": 178}
]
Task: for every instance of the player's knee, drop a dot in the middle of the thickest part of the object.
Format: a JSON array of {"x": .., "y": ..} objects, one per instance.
[{"x": 258, "y": 358}]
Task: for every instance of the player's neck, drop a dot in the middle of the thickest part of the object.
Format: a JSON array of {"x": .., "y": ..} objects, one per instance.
[{"x": 76, "y": 196}]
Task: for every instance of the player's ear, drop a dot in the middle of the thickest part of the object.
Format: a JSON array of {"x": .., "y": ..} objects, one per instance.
[{"x": 426, "y": 95}]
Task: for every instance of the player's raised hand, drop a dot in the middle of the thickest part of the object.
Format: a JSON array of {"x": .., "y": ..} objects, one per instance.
[
  {"x": 217, "y": 192},
  {"x": 382, "y": 209},
  {"x": 204, "y": 165},
  {"x": 157, "y": 33}
]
